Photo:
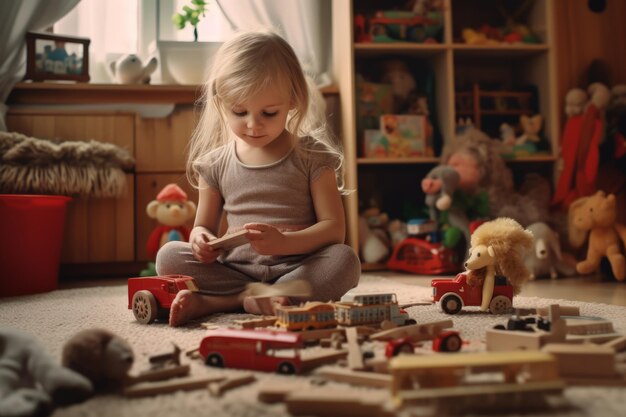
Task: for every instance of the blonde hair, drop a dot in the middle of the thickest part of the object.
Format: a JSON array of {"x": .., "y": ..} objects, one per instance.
[{"x": 243, "y": 67}]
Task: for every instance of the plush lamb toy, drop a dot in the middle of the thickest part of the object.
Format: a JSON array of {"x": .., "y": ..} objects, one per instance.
[
  {"x": 130, "y": 70},
  {"x": 545, "y": 258},
  {"x": 31, "y": 382}
]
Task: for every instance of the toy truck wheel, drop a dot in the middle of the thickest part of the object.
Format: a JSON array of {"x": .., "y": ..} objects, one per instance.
[
  {"x": 215, "y": 360},
  {"x": 145, "y": 307},
  {"x": 451, "y": 304},
  {"x": 500, "y": 304},
  {"x": 450, "y": 343},
  {"x": 286, "y": 368}
]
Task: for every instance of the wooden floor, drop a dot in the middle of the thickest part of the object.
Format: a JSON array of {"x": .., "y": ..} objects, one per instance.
[{"x": 587, "y": 288}]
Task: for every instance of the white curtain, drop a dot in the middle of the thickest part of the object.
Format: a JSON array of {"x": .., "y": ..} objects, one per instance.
[
  {"x": 17, "y": 18},
  {"x": 305, "y": 24}
]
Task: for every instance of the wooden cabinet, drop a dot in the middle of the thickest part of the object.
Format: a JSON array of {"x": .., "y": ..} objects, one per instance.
[{"x": 455, "y": 67}]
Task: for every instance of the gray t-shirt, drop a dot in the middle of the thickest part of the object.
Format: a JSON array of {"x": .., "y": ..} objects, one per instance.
[{"x": 278, "y": 193}]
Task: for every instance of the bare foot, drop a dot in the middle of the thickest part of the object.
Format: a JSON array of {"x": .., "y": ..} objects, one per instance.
[
  {"x": 264, "y": 306},
  {"x": 188, "y": 305}
]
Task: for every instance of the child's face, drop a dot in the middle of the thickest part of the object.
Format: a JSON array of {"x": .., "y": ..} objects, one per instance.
[{"x": 259, "y": 120}]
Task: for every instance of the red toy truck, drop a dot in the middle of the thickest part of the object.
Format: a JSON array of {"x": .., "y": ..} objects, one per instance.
[
  {"x": 151, "y": 297},
  {"x": 259, "y": 350},
  {"x": 455, "y": 294}
]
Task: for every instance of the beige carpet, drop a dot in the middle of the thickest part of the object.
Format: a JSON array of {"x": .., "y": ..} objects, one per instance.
[{"x": 55, "y": 316}]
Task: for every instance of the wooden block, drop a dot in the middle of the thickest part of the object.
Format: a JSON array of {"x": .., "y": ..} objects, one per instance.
[
  {"x": 217, "y": 388},
  {"x": 274, "y": 393},
  {"x": 563, "y": 311},
  {"x": 355, "y": 358},
  {"x": 230, "y": 241},
  {"x": 264, "y": 321},
  {"x": 617, "y": 345},
  {"x": 416, "y": 332},
  {"x": 323, "y": 358},
  {"x": 336, "y": 403},
  {"x": 144, "y": 389},
  {"x": 583, "y": 360},
  {"x": 367, "y": 379},
  {"x": 160, "y": 374}
]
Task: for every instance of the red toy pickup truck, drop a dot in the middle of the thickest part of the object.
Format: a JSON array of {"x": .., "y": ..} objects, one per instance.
[
  {"x": 454, "y": 294},
  {"x": 151, "y": 297}
]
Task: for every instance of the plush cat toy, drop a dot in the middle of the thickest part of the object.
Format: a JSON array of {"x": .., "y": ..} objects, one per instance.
[{"x": 31, "y": 382}]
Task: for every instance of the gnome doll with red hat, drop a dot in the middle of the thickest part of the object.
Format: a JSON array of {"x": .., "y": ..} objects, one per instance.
[{"x": 172, "y": 210}]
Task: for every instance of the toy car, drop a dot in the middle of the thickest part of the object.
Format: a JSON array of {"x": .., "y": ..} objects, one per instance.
[
  {"x": 446, "y": 341},
  {"x": 422, "y": 257},
  {"x": 151, "y": 297},
  {"x": 455, "y": 294}
]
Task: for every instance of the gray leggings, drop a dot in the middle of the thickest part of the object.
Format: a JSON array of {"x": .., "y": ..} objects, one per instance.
[{"x": 331, "y": 271}]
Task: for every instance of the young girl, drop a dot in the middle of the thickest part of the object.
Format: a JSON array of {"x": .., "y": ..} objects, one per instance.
[{"x": 259, "y": 160}]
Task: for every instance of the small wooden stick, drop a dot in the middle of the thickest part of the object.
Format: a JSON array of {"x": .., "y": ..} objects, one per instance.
[
  {"x": 217, "y": 388},
  {"x": 144, "y": 389},
  {"x": 160, "y": 374}
]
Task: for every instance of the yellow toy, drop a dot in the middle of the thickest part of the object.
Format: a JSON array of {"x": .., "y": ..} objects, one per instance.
[
  {"x": 594, "y": 216},
  {"x": 496, "y": 250}
]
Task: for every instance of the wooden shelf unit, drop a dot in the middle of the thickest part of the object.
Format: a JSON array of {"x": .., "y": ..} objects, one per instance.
[{"x": 457, "y": 67}]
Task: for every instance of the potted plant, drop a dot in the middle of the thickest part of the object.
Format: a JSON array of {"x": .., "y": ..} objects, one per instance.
[{"x": 186, "y": 62}]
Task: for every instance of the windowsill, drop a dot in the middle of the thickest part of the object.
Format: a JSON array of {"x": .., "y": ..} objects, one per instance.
[{"x": 28, "y": 93}]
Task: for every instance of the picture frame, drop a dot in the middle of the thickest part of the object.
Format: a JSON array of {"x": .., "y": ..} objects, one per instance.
[{"x": 55, "y": 57}]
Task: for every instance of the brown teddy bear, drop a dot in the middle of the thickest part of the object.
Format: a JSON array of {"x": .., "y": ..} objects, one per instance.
[{"x": 594, "y": 216}]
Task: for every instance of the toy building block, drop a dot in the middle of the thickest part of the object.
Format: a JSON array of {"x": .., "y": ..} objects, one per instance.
[
  {"x": 416, "y": 332},
  {"x": 145, "y": 389},
  {"x": 314, "y": 360},
  {"x": 588, "y": 326},
  {"x": 618, "y": 344},
  {"x": 337, "y": 403},
  {"x": 564, "y": 311},
  {"x": 586, "y": 364},
  {"x": 160, "y": 374},
  {"x": 230, "y": 241},
  {"x": 355, "y": 358},
  {"x": 532, "y": 339},
  {"x": 441, "y": 376},
  {"x": 217, "y": 388},
  {"x": 265, "y": 321},
  {"x": 277, "y": 392},
  {"x": 359, "y": 378},
  {"x": 165, "y": 359}
]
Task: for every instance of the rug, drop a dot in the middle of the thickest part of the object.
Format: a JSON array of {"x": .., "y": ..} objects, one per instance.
[{"x": 56, "y": 316}]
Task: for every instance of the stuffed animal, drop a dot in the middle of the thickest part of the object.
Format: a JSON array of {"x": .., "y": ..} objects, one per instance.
[
  {"x": 546, "y": 258},
  {"x": 374, "y": 240},
  {"x": 594, "y": 217},
  {"x": 575, "y": 101},
  {"x": 497, "y": 249},
  {"x": 172, "y": 209},
  {"x": 477, "y": 158},
  {"x": 100, "y": 355},
  {"x": 31, "y": 382},
  {"x": 531, "y": 126},
  {"x": 440, "y": 185},
  {"x": 130, "y": 70}
]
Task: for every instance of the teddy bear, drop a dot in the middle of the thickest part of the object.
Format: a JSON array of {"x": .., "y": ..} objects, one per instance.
[
  {"x": 374, "y": 240},
  {"x": 172, "y": 209},
  {"x": 593, "y": 217},
  {"x": 101, "y": 356},
  {"x": 129, "y": 69},
  {"x": 545, "y": 258},
  {"x": 31, "y": 382}
]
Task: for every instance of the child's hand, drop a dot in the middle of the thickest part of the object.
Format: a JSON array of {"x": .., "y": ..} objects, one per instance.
[
  {"x": 202, "y": 251},
  {"x": 265, "y": 239}
]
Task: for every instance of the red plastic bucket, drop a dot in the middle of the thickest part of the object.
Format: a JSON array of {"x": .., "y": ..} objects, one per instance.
[{"x": 31, "y": 235}]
